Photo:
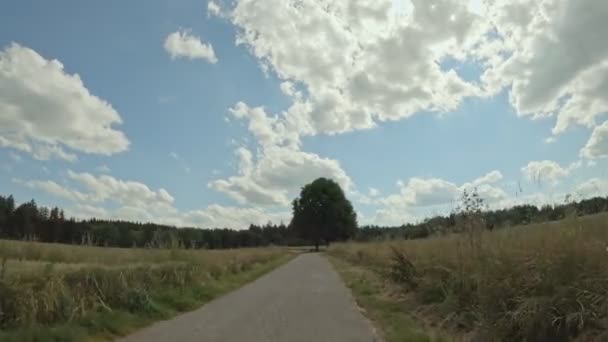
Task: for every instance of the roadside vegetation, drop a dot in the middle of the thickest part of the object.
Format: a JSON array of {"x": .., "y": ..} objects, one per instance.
[
  {"x": 54, "y": 292},
  {"x": 101, "y": 285},
  {"x": 382, "y": 303},
  {"x": 538, "y": 282},
  {"x": 517, "y": 274}
]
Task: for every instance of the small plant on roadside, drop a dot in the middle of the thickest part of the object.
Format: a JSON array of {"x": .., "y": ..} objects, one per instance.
[
  {"x": 402, "y": 270},
  {"x": 469, "y": 218}
]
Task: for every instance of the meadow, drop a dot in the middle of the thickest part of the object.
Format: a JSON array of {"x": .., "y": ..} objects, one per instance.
[
  {"x": 539, "y": 282},
  {"x": 72, "y": 293}
]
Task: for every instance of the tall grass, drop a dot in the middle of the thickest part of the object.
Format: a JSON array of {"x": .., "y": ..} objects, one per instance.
[
  {"x": 51, "y": 284},
  {"x": 546, "y": 282},
  {"x": 74, "y": 254}
]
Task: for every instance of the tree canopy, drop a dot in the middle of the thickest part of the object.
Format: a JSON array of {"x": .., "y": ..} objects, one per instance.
[{"x": 322, "y": 213}]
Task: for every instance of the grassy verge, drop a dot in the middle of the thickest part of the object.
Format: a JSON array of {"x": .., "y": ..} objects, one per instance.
[
  {"x": 381, "y": 304},
  {"x": 545, "y": 282},
  {"x": 117, "y": 317}
]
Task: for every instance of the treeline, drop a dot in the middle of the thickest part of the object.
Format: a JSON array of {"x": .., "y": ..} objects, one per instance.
[
  {"x": 494, "y": 219},
  {"x": 29, "y": 221}
]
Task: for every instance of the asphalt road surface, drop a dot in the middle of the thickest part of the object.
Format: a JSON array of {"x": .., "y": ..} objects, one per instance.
[{"x": 303, "y": 300}]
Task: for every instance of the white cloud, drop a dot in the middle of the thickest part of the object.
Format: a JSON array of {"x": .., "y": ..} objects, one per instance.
[
  {"x": 358, "y": 80},
  {"x": 174, "y": 155},
  {"x": 360, "y": 62},
  {"x": 246, "y": 191},
  {"x": 46, "y": 110},
  {"x": 420, "y": 197},
  {"x": 288, "y": 89},
  {"x": 592, "y": 187},
  {"x": 586, "y": 189},
  {"x": 104, "y": 188},
  {"x": 490, "y": 193},
  {"x": 427, "y": 192},
  {"x": 355, "y": 62},
  {"x": 489, "y": 178},
  {"x": 426, "y": 197},
  {"x": 550, "y": 140},
  {"x": 373, "y": 192},
  {"x": 486, "y": 188},
  {"x": 361, "y": 198},
  {"x": 597, "y": 146},
  {"x": 391, "y": 216},
  {"x": 135, "y": 201},
  {"x": 86, "y": 211},
  {"x": 544, "y": 171},
  {"x": 128, "y": 213},
  {"x": 213, "y": 216},
  {"x": 50, "y": 152},
  {"x": 288, "y": 168},
  {"x": 279, "y": 167},
  {"x": 52, "y": 188},
  {"x": 537, "y": 199},
  {"x": 276, "y": 175},
  {"x": 553, "y": 56},
  {"x": 183, "y": 44},
  {"x": 213, "y": 9},
  {"x": 589, "y": 188},
  {"x": 423, "y": 192},
  {"x": 267, "y": 130},
  {"x": 232, "y": 217}
]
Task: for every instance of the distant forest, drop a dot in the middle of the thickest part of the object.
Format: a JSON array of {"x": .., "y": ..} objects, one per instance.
[{"x": 29, "y": 221}]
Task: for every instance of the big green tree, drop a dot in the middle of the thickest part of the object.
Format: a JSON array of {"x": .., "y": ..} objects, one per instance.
[{"x": 323, "y": 214}]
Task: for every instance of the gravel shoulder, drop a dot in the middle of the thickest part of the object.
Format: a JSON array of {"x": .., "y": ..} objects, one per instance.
[{"x": 303, "y": 300}]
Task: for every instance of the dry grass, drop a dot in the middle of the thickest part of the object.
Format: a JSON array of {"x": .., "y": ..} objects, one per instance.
[
  {"x": 74, "y": 254},
  {"x": 546, "y": 282},
  {"x": 51, "y": 284}
]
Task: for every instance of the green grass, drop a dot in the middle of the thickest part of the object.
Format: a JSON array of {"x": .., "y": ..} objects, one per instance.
[
  {"x": 381, "y": 304},
  {"x": 99, "y": 300}
]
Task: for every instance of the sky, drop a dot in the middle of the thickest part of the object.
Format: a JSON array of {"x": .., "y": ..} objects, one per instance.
[{"x": 216, "y": 113}]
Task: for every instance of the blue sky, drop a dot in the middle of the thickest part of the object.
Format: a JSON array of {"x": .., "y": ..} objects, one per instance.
[{"x": 214, "y": 114}]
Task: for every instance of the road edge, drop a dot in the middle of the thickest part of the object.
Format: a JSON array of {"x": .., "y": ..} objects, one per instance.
[{"x": 391, "y": 323}]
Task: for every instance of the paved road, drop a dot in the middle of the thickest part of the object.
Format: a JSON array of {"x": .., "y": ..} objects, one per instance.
[{"x": 303, "y": 300}]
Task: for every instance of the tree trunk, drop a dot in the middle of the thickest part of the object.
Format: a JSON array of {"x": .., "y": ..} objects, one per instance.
[{"x": 316, "y": 245}]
